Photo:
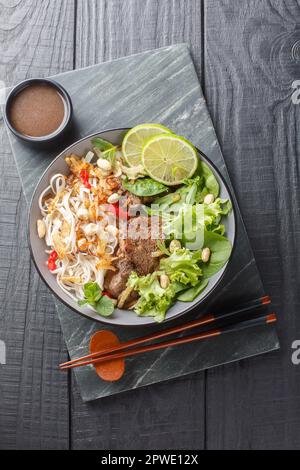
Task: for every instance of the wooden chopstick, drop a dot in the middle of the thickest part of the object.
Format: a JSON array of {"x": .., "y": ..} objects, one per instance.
[
  {"x": 208, "y": 319},
  {"x": 267, "y": 319}
]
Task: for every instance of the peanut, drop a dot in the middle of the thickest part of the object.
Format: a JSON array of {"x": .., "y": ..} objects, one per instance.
[
  {"x": 205, "y": 255},
  {"x": 174, "y": 245},
  {"x": 164, "y": 281},
  {"x": 209, "y": 199}
]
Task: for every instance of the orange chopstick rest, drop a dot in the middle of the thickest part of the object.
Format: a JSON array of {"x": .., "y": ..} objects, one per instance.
[{"x": 110, "y": 371}]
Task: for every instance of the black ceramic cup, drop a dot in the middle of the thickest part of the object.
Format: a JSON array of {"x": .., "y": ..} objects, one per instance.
[{"x": 46, "y": 140}]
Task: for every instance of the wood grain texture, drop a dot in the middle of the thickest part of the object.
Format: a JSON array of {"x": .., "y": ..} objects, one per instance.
[
  {"x": 109, "y": 29},
  {"x": 36, "y": 39},
  {"x": 249, "y": 69},
  {"x": 163, "y": 416},
  {"x": 168, "y": 415}
]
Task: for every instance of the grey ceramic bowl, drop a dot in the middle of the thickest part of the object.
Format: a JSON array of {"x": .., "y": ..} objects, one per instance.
[
  {"x": 47, "y": 140},
  {"x": 37, "y": 245}
]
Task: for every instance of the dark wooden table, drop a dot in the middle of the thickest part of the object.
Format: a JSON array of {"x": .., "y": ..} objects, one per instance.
[{"x": 247, "y": 55}]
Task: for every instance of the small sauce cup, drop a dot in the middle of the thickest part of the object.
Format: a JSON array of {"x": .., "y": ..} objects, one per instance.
[{"x": 38, "y": 111}]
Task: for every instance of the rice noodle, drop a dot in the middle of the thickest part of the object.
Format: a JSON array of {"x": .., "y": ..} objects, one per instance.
[
  {"x": 57, "y": 183},
  {"x": 41, "y": 205},
  {"x": 59, "y": 204},
  {"x": 89, "y": 157}
]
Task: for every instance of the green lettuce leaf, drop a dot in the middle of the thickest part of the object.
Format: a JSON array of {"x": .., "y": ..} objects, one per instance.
[
  {"x": 190, "y": 294},
  {"x": 213, "y": 213},
  {"x": 182, "y": 266},
  {"x": 154, "y": 301},
  {"x": 220, "y": 248},
  {"x": 187, "y": 273},
  {"x": 211, "y": 185},
  {"x": 186, "y": 226},
  {"x": 188, "y": 193}
]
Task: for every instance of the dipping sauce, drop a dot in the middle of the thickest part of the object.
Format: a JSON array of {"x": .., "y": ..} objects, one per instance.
[{"x": 37, "y": 110}]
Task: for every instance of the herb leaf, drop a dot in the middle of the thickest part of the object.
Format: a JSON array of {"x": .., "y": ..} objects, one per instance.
[
  {"x": 105, "y": 306},
  {"x": 93, "y": 296},
  {"x": 92, "y": 291},
  {"x": 102, "y": 144},
  {"x": 104, "y": 149},
  {"x": 144, "y": 187}
]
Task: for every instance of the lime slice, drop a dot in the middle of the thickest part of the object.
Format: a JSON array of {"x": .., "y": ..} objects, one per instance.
[
  {"x": 135, "y": 139},
  {"x": 169, "y": 159}
]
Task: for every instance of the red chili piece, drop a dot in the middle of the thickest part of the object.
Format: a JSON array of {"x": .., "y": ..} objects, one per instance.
[
  {"x": 107, "y": 294},
  {"x": 118, "y": 211},
  {"x": 84, "y": 176},
  {"x": 52, "y": 260}
]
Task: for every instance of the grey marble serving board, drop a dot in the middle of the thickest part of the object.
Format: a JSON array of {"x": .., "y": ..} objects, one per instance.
[{"x": 154, "y": 86}]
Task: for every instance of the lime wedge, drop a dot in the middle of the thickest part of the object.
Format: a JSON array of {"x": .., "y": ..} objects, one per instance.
[
  {"x": 169, "y": 159},
  {"x": 135, "y": 139}
]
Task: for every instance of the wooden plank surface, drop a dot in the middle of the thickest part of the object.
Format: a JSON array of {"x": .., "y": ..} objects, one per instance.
[
  {"x": 108, "y": 30},
  {"x": 250, "y": 64},
  {"x": 36, "y": 39},
  {"x": 167, "y": 415}
]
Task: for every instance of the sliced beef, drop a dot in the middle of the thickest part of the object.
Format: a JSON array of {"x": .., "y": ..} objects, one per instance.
[
  {"x": 134, "y": 254},
  {"x": 139, "y": 245},
  {"x": 115, "y": 281},
  {"x": 132, "y": 200},
  {"x": 131, "y": 204}
]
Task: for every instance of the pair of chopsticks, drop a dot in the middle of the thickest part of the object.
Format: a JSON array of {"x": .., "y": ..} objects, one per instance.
[{"x": 130, "y": 348}]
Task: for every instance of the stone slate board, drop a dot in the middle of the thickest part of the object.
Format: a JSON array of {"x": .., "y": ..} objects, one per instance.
[{"x": 154, "y": 86}]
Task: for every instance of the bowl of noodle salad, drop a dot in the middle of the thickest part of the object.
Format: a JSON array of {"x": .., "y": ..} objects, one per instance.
[{"x": 104, "y": 231}]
